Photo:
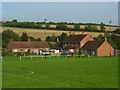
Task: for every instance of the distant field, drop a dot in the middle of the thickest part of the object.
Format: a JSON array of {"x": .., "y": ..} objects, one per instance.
[
  {"x": 92, "y": 72},
  {"x": 41, "y": 32}
]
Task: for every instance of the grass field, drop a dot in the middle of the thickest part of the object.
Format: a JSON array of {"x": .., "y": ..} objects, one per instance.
[{"x": 92, "y": 72}]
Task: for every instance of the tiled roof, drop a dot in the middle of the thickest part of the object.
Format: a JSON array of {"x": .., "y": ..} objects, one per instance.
[
  {"x": 92, "y": 45},
  {"x": 27, "y": 44},
  {"x": 58, "y": 45},
  {"x": 74, "y": 38}
]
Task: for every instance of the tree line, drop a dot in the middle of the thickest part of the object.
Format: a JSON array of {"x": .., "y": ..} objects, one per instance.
[{"x": 90, "y": 27}]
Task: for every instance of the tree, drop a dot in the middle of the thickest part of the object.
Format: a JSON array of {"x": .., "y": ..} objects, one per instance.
[
  {"x": 63, "y": 36},
  {"x": 32, "y": 38},
  {"x": 117, "y": 31},
  {"x": 39, "y": 39},
  {"x": 52, "y": 38},
  {"x": 48, "y": 38},
  {"x": 39, "y": 26},
  {"x": 100, "y": 37},
  {"x": 88, "y": 27},
  {"x": 48, "y": 26},
  {"x": 77, "y": 27},
  {"x": 62, "y": 27},
  {"x": 24, "y": 37},
  {"x": 102, "y": 27},
  {"x": 94, "y": 28},
  {"x": 14, "y": 20},
  {"x": 7, "y": 36},
  {"x": 116, "y": 40}
]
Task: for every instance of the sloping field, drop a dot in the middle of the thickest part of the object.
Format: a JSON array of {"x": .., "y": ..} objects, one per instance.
[{"x": 40, "y": 33}]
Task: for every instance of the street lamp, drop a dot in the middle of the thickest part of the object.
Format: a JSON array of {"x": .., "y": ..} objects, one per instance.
[{"x": 110, "y": 35}]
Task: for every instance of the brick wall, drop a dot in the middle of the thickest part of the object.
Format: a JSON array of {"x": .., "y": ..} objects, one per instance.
[{"x": 105, "y": 49}]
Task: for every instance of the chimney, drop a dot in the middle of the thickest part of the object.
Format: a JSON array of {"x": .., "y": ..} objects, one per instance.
[
  {"x": 105, "y": 39},
  {"x": 57, "y": 39},
  {"x": 29, "y": 39},
  {"x": 82, "y": 33}
]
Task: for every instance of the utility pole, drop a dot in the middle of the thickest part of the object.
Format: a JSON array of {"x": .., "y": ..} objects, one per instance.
[
  {"x": 45, "y": 35},
  {"x": 110, "y": 35},
  {"x": 45, "y": 26}
]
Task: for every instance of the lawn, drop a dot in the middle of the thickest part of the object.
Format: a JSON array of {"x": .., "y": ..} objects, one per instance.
[{"x": 62, "y": 72}]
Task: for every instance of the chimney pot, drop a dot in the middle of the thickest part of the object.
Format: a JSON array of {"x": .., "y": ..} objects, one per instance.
[
  {"x": 82, "y": 33},
  {"x": 105, "y": 39}
]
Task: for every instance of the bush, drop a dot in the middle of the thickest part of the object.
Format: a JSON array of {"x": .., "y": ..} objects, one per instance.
[{"x": 28, "y": 52}]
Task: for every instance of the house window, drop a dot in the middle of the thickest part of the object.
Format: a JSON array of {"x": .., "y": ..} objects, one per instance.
[{"x": 35, "y": 50}]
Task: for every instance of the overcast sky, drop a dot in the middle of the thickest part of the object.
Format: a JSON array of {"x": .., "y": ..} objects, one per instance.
[{"x": 90, "y": 12}]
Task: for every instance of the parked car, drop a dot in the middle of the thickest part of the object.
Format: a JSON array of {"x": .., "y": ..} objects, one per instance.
[
  {"x": 65, "y": 54},
  {"x": 46, "y": 53}
]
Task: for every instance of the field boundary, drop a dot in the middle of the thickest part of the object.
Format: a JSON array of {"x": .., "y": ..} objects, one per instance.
[{"x": 52, "y": 56}]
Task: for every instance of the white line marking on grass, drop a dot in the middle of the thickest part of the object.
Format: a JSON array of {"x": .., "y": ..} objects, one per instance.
[
  {"x": 37, "y": 79},
  {"x": 29, "y": 72}
]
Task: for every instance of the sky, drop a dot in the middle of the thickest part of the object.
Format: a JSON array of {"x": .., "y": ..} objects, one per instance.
[{"x": 78, "y": 12}]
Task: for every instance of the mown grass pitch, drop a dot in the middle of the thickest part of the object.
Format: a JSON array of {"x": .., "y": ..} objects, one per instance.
[{"x": 92, "y": 72}]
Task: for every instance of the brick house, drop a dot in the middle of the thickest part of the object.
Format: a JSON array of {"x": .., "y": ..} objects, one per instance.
[
  {"x": 24, "y": 46},
  {"x": 98, "y": 48},
  {"x": 74, "y": 42}
]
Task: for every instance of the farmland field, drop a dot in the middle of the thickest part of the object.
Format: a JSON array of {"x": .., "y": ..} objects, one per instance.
[
  {"x": 62, "y": 72},
  {"x": 40, "y": 33}
]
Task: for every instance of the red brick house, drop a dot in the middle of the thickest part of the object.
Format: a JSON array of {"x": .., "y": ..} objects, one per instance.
[
  {"x": 74, "y": 42},
  {"x": 24, "y": 46},
  {"x": 98, "y": 48}
]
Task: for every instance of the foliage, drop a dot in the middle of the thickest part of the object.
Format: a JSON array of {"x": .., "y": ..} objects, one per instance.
[
  {"x": 100, "y": 37},
  {"x": 39, "y": 39},
  {"x": 7, "y": 36},
  {"x": 117, "y": 31},
  {"x": 91, "y": 28},
  {"x": 48, "y": 26},
  {"x": 61, "y": 27},
  {"x": 24, "y": 37},
  {"x": 77, "y": 27},
  {"x": 52, "y": 38},
  {"x": 63, "y": 36},
  {"x": 4, "y": 52},
  {"x": 28, "y": 52},
  {"x": 51, "y": 45},
  {"x": 114, "y": 40},
  {"x": 14, "y": 20},
  {"x": 32, "y": 38},
  {"x": 19, "y": 54},
  {"x": 79, "y": 52},
  {"x": 102, "y": 27}
]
